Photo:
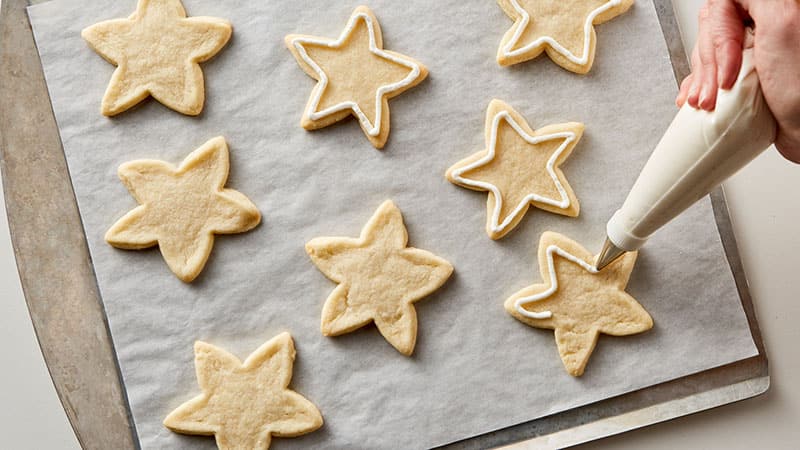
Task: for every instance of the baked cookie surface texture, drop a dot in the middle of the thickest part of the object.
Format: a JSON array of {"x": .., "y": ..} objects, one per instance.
[
  {"x": 379, "y": 279},
  {"x": 244, "y": 404},
  {"x": 355, "y": 75},
  {"x": 577, "y": 301},
  {"x": 519, "y": 168},
  {"x": 182, "y": 208},
  {"x": 157, "y": 51},
  {"x": 562, "y": 28}
]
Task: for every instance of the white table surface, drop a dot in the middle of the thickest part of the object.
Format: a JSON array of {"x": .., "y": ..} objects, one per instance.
[{"x": 31, "y": 416}]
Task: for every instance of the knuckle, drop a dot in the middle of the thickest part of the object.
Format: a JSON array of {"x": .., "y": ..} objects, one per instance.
[{"x": 722, "y": 41}]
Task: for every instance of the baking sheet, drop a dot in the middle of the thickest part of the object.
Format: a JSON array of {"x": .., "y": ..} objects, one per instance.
[{"x": 475, "y": 368}]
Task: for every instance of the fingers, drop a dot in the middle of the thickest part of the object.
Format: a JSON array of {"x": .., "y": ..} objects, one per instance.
[
  {"x": 707, "y": 96},
  {"x": 697, "y": 78},
  {"x": 717, "y": 57},
  {"x": 729, "y": 60},
  {"x": 683, "y": 93},
  {"x": 728, "y": 35}
]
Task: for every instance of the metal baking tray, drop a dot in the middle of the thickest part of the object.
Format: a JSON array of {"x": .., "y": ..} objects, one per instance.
[{"x": 60, "y": 288}]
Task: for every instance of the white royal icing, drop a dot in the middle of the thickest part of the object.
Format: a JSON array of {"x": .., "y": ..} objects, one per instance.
[
  {"x": 497, "y": 227},
  {"x": 526, "y": 18},
  {"x": 311, "y": 110},
  {"x": 553, "y": 283}
]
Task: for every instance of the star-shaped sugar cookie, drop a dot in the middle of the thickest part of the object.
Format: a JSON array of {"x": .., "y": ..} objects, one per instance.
[
  {"x": 562, "y": 28},
  {"x": 182, "y": 208},
  {"x": 519, "y": 168},
  {"x": 157, "y": 51},
  {"x": 577, "y": 301},
  {"x": 244, "y": 404},
  {"x": 355, "y": 75},
  {"x": 379, "y": 279}
]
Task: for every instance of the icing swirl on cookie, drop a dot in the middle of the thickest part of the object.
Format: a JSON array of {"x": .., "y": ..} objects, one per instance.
[
  {"x": 549, "y": 40},
  {"x": 316, "y": 96},
  {"x": 552, "y": 249},
  {"x": 563, "y": 203}
]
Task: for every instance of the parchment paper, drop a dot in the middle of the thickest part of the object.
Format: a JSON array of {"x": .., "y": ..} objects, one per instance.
[{"x": 475, "y": 369}]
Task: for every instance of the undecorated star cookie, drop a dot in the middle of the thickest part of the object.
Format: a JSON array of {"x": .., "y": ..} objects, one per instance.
[
  {"x": 379, "y": 279},
  {"x": 562, "y": 28},
  {"x": 157, "y": 51},
  {"x": 577, "y": 301},
  {"x": 244, "y": 404},
  {"x": 182, "y": 208},
  {"x": 519, "y": 168},
  {"x": 355, "y": 75}
]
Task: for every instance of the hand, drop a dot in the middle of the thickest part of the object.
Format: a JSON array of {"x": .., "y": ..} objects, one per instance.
[{"x": 717, "y": 58}]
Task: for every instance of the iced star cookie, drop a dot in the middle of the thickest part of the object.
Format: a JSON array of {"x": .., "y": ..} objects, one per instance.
[
  {"x": 562, "y": 28},
  {"x": 157, "y": 51},
  {"x": 379, "y": 279},
  {"x": 244, "y": 404},
  {"x": 577, "y": 301},
  {"x": 519, "y": 168},
  {"x": 182, "y": 208},
  {"x": 355, "y": 75}
]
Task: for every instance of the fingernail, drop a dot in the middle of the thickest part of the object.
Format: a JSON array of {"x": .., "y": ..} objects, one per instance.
[
  {"x": 692, "y": 97},
  {"x": 727, "y": 80},
  {"x": 704, "y": 96}
]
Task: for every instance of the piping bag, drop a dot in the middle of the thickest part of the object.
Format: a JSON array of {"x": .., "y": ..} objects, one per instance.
[{"x": 699, "y": 151}]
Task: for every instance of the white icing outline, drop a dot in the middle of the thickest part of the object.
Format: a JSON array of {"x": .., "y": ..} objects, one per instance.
[
  {"x": 526, "y": 18},
  {"x": 553, "y": 282},
  {"x": 564, "y": 203},
  {"x": 311, "y": 110}
]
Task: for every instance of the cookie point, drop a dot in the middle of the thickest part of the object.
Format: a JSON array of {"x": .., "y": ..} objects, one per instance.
[
  {"x": 326, "y": 329},
  {"x": 312, "y": 247},
  {"x": 285, "y": 336},
  {"x": 510, "y": 306},
  {"x": 406, "y": 350},
  {"x": 187, "y": 277},
  {"x": 388, "y": 204},
  {"x": 193, "y": 110},
  {"x": 549, "y": 236},
  {"x": 575, "y": 371},
  {"x": 168, "y": 421},
  {"x": 363, "y": 9},
  {"x": 308, "y": 124},
  {"x": 448, "y": 175},
  {"x": 448, "y": 267},
  {"x": 648, "y": 322},
  {"x": 319, "y": 421},
  {"x": 378, "y": 142},
  {"x": 107, "y": 111},
  {"x": 497, "y": 104},
  {"x": 494, "y": 235},
  {"x": 218, "y": 141},
  {"x": 503, "y": 61},
  {"x": 201, "y": 347},
  {"x": 109, "y": 237},
  {"x": 574, "y": 210}
]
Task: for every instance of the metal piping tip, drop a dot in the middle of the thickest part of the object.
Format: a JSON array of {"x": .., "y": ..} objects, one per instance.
[{"x": 608, "y": 254}]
